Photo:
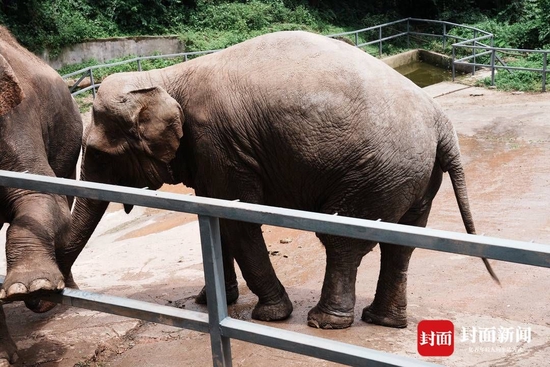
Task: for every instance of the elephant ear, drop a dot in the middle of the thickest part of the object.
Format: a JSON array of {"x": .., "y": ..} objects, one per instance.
[
  {"x": 159, "y": 123},
  {"x": 11, "y": 93}
]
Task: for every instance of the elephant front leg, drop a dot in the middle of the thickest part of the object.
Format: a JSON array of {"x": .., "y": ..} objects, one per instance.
[
  {"x": 38, "y": 224},
  {"x": 8, "y": 348},
  {"x": 246, "y": 243},
  {"x": 389, "y": 307},
  {"x": 335, "y": 309}
]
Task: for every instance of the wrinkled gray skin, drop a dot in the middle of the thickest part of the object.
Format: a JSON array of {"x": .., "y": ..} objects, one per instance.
[
  {"x": 40, "y": 132},
  {"x": 289, "y": 119}
]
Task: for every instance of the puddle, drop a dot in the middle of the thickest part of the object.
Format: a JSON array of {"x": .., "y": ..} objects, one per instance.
[{"x": 424, "y": 74}]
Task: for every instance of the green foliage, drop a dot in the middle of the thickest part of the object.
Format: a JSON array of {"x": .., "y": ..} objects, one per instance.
[
  {"x": 51, "y": 24},
  {"x": 519, "y": 80},
  {"x": 216, "y": 24},
  {"x": 219, "y": 24},
  {"x": 526, "y": 23}
]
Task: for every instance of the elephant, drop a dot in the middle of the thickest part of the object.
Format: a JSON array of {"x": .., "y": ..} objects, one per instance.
[
  {"x": 40, "y": 132},
  {"x": 290, "y": 119}
]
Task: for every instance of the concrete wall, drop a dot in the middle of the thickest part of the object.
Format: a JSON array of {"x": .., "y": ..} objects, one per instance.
[
  {"x": 429, "y": 57},
  {"x": 104, "y": 50},
  {"x": 404, "y": 58}
]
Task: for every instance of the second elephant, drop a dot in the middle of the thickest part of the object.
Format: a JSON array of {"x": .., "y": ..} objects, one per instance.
[{"x": 289, "y": 119}]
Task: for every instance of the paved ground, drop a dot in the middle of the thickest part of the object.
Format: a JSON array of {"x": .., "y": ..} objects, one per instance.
[{"x": 155, "y": 256}]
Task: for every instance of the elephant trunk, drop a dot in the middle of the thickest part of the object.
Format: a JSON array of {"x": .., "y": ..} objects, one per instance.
[{"x": 85, "y": 217}]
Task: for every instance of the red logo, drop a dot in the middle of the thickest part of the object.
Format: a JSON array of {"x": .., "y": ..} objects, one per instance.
[{"x": 435, "y": 338}]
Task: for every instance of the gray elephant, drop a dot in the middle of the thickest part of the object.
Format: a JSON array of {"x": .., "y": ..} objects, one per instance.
[
  {"x": 289, "y": 119},
  {"x": 40, "y": 132}
]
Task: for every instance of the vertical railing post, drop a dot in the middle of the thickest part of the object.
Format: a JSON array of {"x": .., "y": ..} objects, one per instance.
[
  {"x": 215, "y": 288},
  {"x": 474, "y": 52},
  {"x": 380, "y": 41},
  {"x": 356, "y": 38},
  {"x": 92, "y": 83},
  {"x": 544, "y": 70},
  {"x": 139, "y": 64},
  {"x": 408, "y": 36},
  {"x": 453, "y": 61},
  {"x": 444, "y": 36},
  {"x": 493, "y": 56}
]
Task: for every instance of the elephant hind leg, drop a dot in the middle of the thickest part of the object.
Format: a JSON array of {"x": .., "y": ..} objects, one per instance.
[
  {"x": 230, "y": 277},
  {"x": 335, "y": 309},
  {"x": 389, "y": 307}
]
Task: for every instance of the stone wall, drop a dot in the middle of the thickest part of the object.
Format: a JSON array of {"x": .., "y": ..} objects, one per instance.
[
  {"x": 107, "y": 49},
  {"x": 429, "y": 57}
]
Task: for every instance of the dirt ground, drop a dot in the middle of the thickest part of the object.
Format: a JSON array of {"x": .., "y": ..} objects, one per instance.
[{"x": 155, "y": 256}]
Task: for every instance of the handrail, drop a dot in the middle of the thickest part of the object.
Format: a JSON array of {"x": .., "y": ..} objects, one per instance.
[{"x": 221, "y": 327}]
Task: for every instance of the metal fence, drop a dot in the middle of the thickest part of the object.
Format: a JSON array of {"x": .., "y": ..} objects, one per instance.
[
  {"x": 479, "y": 44},
  {"x": 223, "y": 328}
]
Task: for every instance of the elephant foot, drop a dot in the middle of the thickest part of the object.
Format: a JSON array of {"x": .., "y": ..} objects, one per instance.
[
  {"x": 25, "y": 281},
  {"x": 319, "y": 319},
  {"x": 231, "y": 295},
  {"x": 397, "y": 319},
  {"x": 273, "y": 311},
  {"x": 40, "y": 306}
]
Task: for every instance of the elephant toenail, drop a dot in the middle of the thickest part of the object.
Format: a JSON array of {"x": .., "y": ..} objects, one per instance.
[
  {"x": 60, "y": 285},
  {"x": 17, "y": 288},
  {"x": 313, "y": 323},
  {"x": 40, "y": 284},
  {"x": 2, "y": 294}
]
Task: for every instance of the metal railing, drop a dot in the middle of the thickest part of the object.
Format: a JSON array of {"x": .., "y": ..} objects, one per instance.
[
  {"x": 88, "y": 72},
  {"x": 223, "y": 328},
  {"x": 493, "y": 54},
  {"x": 377, "y": 35}
]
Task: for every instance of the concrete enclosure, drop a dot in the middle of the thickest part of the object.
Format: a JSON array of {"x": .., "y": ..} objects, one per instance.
[
  {"x": 107, "y": 49},
  {"x": 429, "y": 57}
]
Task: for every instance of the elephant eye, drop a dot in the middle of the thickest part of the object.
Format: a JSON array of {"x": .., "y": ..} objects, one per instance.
[{"x": 95, "y": 154}]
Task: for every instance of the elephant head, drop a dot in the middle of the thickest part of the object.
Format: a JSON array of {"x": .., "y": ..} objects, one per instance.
[{"x": 134, "y": 134}]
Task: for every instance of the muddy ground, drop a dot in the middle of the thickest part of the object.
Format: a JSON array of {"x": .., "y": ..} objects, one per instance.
[{"x": 155, "y": 256}]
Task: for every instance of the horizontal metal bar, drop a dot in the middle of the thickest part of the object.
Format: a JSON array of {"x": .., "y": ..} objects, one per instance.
[
  {"x": 460, "y": 243},
  {"x": 326, "y": 349},
  {"x": 501, "y": 49},
  {"x": 450, "y": 23},
  {"x": 425, "y": 34},
  {"x": 367, "y": 29},
  {"x": 505, "y": 67},
  {"x": 166, "y": 315},
  {"x": 472, "y": 56},
  {"x": 135, "y": 59},
  {"x": 183, "y": 54},
  {"x": 382, "y": 39},
  {"x": 84, "y": 90}
]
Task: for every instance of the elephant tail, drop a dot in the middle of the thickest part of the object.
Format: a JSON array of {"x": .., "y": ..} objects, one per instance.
[{"x": 449, "y": 158}]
